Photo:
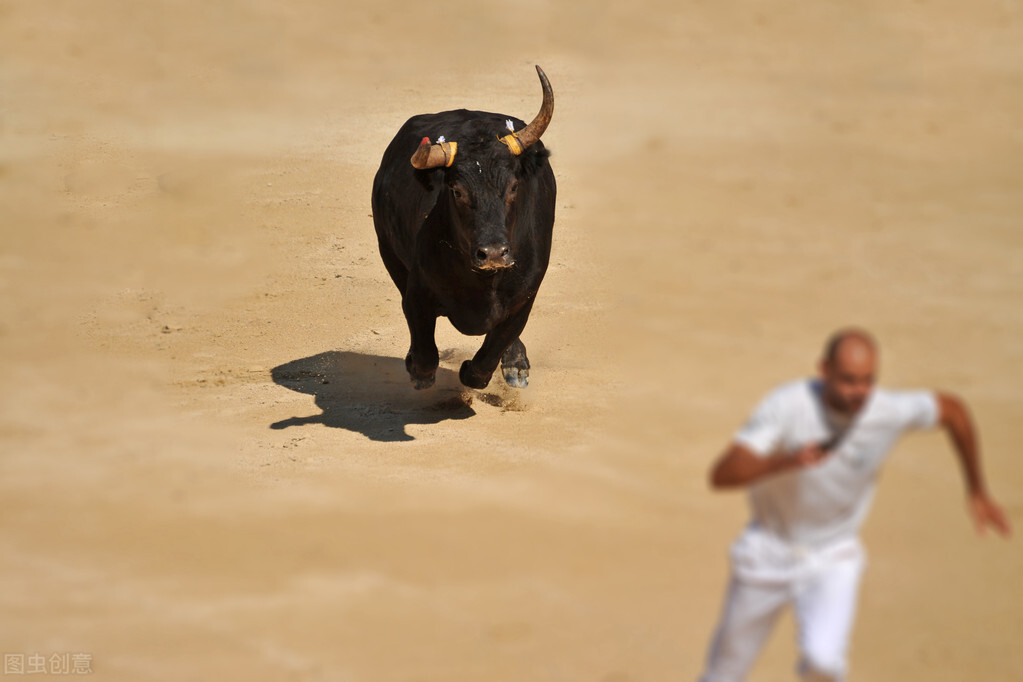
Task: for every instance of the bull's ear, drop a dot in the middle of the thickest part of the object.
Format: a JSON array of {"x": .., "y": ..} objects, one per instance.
[{"x": 434, "y": 155}]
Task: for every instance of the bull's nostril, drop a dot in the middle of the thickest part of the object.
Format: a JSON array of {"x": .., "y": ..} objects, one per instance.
[{"x": 492, "y": 256}]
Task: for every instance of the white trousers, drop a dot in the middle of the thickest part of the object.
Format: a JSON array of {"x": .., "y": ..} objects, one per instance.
[{"x": 769, "y": 575}]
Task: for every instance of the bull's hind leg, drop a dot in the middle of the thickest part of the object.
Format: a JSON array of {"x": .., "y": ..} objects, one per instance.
[
  {"x": 515, "y": 365},
  {"x": 423, "y": 358},
  {"x": 502, "y": 346}
]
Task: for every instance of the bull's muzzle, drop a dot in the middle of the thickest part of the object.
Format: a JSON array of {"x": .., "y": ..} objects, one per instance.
[{"x": 493, "y": 257}]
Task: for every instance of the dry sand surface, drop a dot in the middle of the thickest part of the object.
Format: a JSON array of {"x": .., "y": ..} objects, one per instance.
[{"x": 213, "y": 465}]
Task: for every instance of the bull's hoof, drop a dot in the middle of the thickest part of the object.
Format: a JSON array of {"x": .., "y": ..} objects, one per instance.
[
  {"x": 515, "y": 365},
  {"x": 515, "y": 377},
  {"x": 420, "y": 379},
  {"x": 469, "y": 378},
  {"x": 423, "y": 382}
]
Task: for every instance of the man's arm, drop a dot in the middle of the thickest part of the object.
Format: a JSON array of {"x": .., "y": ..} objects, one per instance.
[
  {"x": 955, "y": 419},
  {"x": 739, "y": 466}
]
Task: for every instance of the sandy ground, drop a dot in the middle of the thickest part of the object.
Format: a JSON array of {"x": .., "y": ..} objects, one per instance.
[{"x": 213, "y": 466}]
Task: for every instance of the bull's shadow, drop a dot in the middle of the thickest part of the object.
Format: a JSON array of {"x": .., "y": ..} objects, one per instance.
[{"x": 369, "y": 394}]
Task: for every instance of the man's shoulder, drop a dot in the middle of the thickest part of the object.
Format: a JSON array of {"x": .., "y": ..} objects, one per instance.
[
  {"x": 905, "y": 407},
  {"x": 794, "y": 392},
  {"x": 887, "y": 397},
  {"x": 795, "y": 396},
  {"x": 784, "y": 407}
]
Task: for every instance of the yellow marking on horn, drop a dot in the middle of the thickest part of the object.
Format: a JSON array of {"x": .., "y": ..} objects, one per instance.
[
  {"x": 449, "y": 149},
  {"x": 512, "y": 141}
]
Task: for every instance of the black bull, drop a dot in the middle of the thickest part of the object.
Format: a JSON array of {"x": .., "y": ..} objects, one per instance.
[{"x": 464, "y": 226}]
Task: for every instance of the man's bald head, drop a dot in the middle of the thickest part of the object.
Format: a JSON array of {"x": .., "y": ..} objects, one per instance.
[
  {"x": 850, "y": 343},
  {"x": 849, "y": 369}
]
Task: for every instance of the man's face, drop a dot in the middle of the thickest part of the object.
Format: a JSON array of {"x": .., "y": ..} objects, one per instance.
[{"x": 849, "y": 377}]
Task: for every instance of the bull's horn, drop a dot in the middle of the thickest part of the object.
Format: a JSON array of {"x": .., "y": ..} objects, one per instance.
[
  {"x": 434, "y": 155},
  {"x": 525, "y": 138}
]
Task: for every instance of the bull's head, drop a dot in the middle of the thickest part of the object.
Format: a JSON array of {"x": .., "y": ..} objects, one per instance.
[{"x": 484, "y": 183}]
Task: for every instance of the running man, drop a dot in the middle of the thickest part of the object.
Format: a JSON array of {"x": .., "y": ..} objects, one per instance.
[{"x": 810, "y": 455}]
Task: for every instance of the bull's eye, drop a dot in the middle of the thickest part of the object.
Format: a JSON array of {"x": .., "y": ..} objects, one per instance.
[
  {"x": 457, "y": 192},
  {"x": 513, "y": 188}
]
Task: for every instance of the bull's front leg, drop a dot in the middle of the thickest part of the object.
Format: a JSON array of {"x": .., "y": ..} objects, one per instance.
[
  {"x": 498, "y": 347},
  {"x": 423, "y": 358}
]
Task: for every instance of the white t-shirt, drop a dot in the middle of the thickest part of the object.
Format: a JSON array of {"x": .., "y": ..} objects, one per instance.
[{"x": 828, "y": 502}]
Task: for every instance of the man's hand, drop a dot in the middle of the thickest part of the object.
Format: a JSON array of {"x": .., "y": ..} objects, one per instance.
[
  {"x": 986, "y": 513},
  {"x": 810, "y": 455},
  {"x": 956, "y": 420}
]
